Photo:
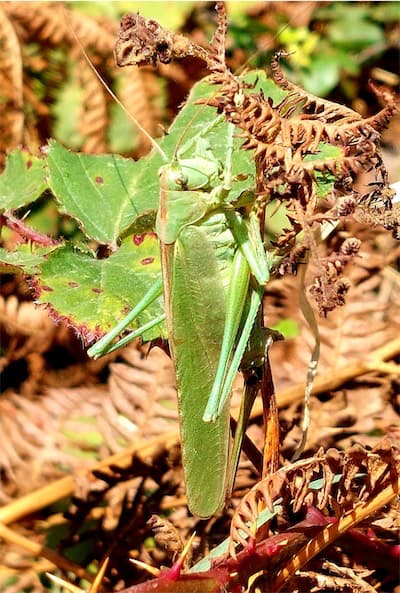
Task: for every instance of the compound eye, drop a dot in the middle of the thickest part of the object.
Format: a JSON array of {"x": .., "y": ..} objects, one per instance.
[
  {"x": 175, "y": 178},
  {"x": 181, "y": 180}
]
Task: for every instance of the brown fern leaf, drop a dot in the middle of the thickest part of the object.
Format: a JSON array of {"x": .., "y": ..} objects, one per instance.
[
  {"x": 137, "y": 91},
  {"x": 376, "y": 208},
  {"x": 53, "y": 23},
  {"x": 217, "y": 46},
  {"x": 25, "y": 331},
  {"x": 368, "y": 320},
  {"x": 41, "y": 432},
  {"x": 346, "y": 478},
  {"x": 281, "y": 136},
  {"x": 38, "y": 19},
  {"x": 49, "y": 420},
  {"x": 142, "y": 388},
  {"x": 122, "y": 499},
  {"x": 11, "y": 114},
  {"x": 143, "y": 42},
  {"x": 93, "y": 113},
  {"x": 316, "y": 107},
  {"x": 40, "y": 436}
]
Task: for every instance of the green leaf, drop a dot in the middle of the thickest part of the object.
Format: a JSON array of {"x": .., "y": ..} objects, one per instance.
[
  {"x": 173, "y": 18},
  {"x": 325, "y": 180},
  {"x": 288, "y": 327},
  {"x": 355, "y": 34},
  {"x": 385, "y": 11},
  {"x": 347, "y": 61},
  {"x": 96, "y": 190},
  {"x": 322, "y": 76},
  {"x": 22, "y": 259},
  {"x": 66, "y": 110},
  {"x": 95, "y": 294},
  {"x": 87, "y": 438},
  {"x": 121, "y": 132},
  {"x": 23, "y": 180},
  {"x": 108, "y": 194}
]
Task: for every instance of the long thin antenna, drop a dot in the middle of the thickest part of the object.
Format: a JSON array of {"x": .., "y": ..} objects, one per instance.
[{"x": 114, "y": 96}]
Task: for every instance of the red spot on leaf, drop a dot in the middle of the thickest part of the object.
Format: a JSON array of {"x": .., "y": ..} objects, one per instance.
[
  {"x": 47, "y": 288},
  {"x": 146, "y": 261},
  {"x": 97, "y": 290},
  {"x": 99, "y": 180},
  {"x": 73, "y": 284},
  {"x": 28, "y": 164},
  {"x": 138, "y": 239},
  {"x": 125, "y": 310}
]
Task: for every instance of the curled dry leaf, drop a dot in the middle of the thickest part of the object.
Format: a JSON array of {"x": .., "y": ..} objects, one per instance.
[{"x": 167, "y": 536}]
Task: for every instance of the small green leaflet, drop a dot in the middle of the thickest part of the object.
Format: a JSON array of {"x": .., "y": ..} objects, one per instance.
[{"x": 22, "y": 181}]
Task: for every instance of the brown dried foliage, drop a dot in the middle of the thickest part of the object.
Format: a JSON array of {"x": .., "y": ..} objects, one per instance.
[
  {"x": 26, "y": 116},
  {"x": 93, "y": 117},
  {"x": 11, "y": 114},
  {"x": 345, "y": 480},
  {"x": 136, "y": 402},
  {"x": 122, "y": 499},
  {"x": 143, "y": 41}
]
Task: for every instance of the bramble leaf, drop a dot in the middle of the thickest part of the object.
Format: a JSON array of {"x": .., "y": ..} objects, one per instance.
[
  {"x": 94, "y": 294},
  {"x": 22, "y": 181}
]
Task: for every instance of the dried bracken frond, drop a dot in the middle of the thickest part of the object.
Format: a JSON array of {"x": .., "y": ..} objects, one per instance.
[
  {"x": 48, "y": 22},
  {"x": 93, "y": 113},
  {"x": 26, "y": 331},
  {"x": 137, "y": 92},
  {"x": 326, "y": 110},
  {"x": 344, "y": 480},
  {"x": 376, "y": 207},
  {"x": 53, "y": 25},
  {"x": 11, "y": 114},
  {"x": 282, "y": 136},
  {"x": 122, "y": 499},
  {"x": 141, "y": 388},
  {"x": 135, "y": 402},
  {"x": 330, "y": 293},
  {"x": 370, "y": 317},
  {"x": 24, "y": 318}
]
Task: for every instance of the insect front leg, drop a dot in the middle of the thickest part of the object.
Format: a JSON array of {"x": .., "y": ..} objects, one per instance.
[{"x": 105, "y": 345}]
